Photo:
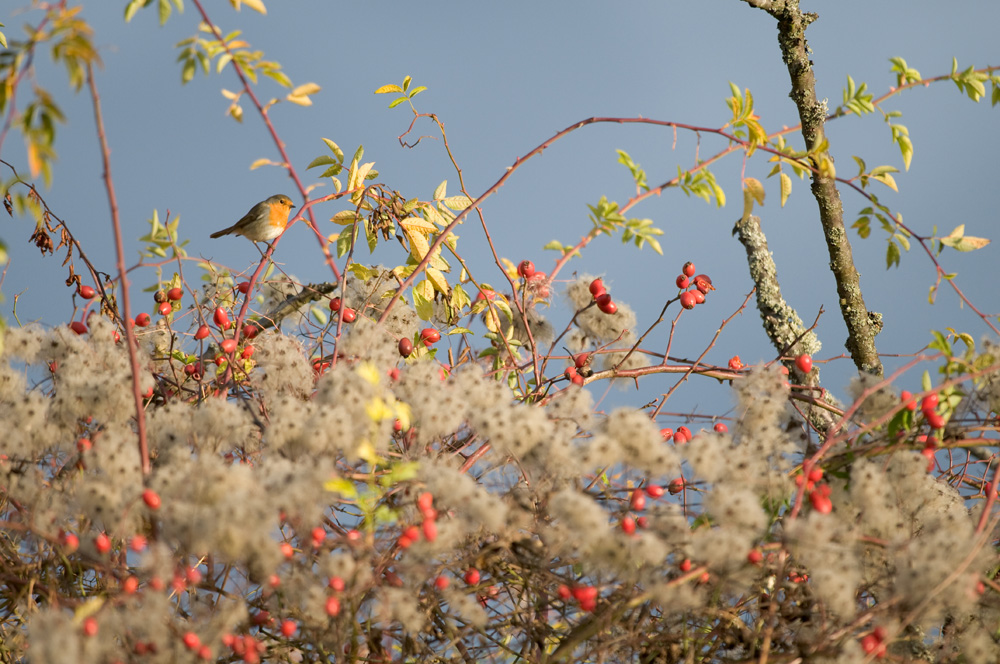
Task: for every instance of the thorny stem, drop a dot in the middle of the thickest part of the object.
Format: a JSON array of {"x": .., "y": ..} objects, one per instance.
[{"x": 140, "y": 412}]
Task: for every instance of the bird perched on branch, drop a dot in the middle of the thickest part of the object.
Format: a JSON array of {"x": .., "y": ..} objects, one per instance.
[{"x": 264, "y": 222}]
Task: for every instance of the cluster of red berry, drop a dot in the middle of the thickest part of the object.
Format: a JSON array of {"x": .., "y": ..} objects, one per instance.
[
  {"x": 702, "y": 285},
  {"x": 602, "y": 297}
]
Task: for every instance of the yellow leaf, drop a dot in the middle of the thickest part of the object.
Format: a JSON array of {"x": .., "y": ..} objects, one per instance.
[
  {"x": 370, "y": 373},
  {"x": 887, "y": 180},
  {"x": 256, "y": 5},
  {"x": 262, "y": 162},
  {"x": 753, "y": 190},
  {"x": 438, "y": 280},
  {"x": 300, "y": 100},
  {"x": 385, "y": 89},
  {"x": 232, "y": 96},
  {"x": 377, "y": 410},
  {"x": 87, "y": 609},
  {"x": 786, "y": 188},
  {"x": 306, "y": 89},
  {"x": 418, "y": 225},
  {"x": 342, "y": 486},
  {"x": 419, "y": 246},
  {"x": 403, "y": 414},
  {"x": 34, "y": 160}
]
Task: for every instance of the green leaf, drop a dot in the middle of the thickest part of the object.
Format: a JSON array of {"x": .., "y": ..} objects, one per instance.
[
  {"x": 891, "y": 255},
  {"x": 441, "y": 191}
]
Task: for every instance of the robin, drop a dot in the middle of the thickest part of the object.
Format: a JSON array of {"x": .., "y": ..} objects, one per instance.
[{"x": 264, "y": 222}]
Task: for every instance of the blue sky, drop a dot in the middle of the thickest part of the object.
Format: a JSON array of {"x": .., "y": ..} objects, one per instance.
[{"x": 505, "y": 76}]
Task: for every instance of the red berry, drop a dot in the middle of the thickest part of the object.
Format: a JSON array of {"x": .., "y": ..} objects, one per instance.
[
  {"x": 425, "y": 502},
  {"x": 87, "y": 292},
  {"x": 720, "y": 427},
  {"x": 703, "y": 283},
  {"x": 685, "y": 565},
  {"x": 638, "y": 501},
  {"x": 165, "y": 309},
  {"x": 130, "y": 585},
  {"x": 666, "y": 433},
  {"x": 332, "y": 606},
  {"x": 564, "y": 592},
  {"x": 683, "y": 282},
  {"x": 755, "y": 557},
  {"x": 934, "y": 419},
  {"x": 288, "y": 628},
  {"x": 597, "y": 288},
  {"x": 929, "y": 403},
  {"x": 78, "y": 326},
  {"x": 102, "y": 543},
  {"x": 442, "y": 582},
  {"x": 526, "y": 269},
  {"x": 151, "y": 498},
  {"x": 175, "y": 293},
  {"x": 349, "y": 315},
  {"x": 243, "y": 287},
  {"x": 142, "y": 320},
  {"x": 654, "y": 490},
  {"x": 675, "y": 486},
  {"x": 907, "y": 397},
  {"x": 821, "y": 502},
  {"x": 220, "y": 317},
  {"x": 683, "y": 435},
  {"x": 191, "y": 641},
  {"x": 337, "y": 583},
  {"x": 581, "y": 360},
  {"x": 228, "y": 345},
  {"x": 430, "y": 530},
  {"x": 804, "y": 362},
  {"x": 606, "y": 304},
  {"x": 247, "y": 352},
  {"x": 688, "y": 269},
  {"x": 202, "y": 332},
  {"x": 89, "y": 626},
  {"x": 688, "y": 300},
  {"x": 429, "y": 336},
  {"x": 628, "y": 525},
  {"x": 287, "y": 551},
  {"x": 405, "y": 346},
  {"x": 471, "y": 576},
  {"x": 335, "y": 304},
  {"x": 70, "y": 541},
  {"x": 735, "y": 364},
  {"x": 138, "y": 543}
]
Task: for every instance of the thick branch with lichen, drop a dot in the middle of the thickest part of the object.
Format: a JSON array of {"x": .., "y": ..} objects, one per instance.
[{"x": 792, "y": 25}]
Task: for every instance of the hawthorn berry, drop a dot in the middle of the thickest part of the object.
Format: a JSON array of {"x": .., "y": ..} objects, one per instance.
[
  {"x": 471, "y": 576},
  {"x": 348, "y": 315},
  {"x": 638, "y": 501},
  {"x": 243, "y": 287},
  {"x": 688, "y": 269},
  {"x": 202, "y": 332},
  {"x": 907, "y": 397},
  {"x": 288, "y": 628},
  {"x": 442, "y": 582},
  {"x": 337, "y": 583},
  {"x": 526, "y": 269},
  {"x": 332, "y": 606},
  {"x": 606, "y": 304},
  {"x": 335, "y": 304},
  {"x": 755, "y": 557},
  {"x": 704, "y": 283},
  {"x": 151, "y": 498},
  {"x": 175, "y": 293},
  {"x": 682, "y": 435},
  {"x": 430, "y": 336},
  {"x": 628, "y": 525},
  {"x": 688, "y": 300},
  {"x": 228, "y": 345},
  {"x": 142, "y": 320},
  {"x": 683, "y": 282},
  {"x": 654, "y": 490},
  {"x": 87, "y": 292},
  {"x": 89, "y": 626},
  {"x": 191, "y": 641},
  {"x": 666, "y": 433},
  {"x": 720, "y": 427},
  {"x": 581, "y": 360},
  {"x": 675, "y": 486},
  {"x": 102, "y": 543},
  {"x": 220, "y": 317},
  {"x": 165, "y": 309},
  {"x": 597, "y": 288},
  {"x": 405, "y": 346},
  {"x": 804, "y": 363}
]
